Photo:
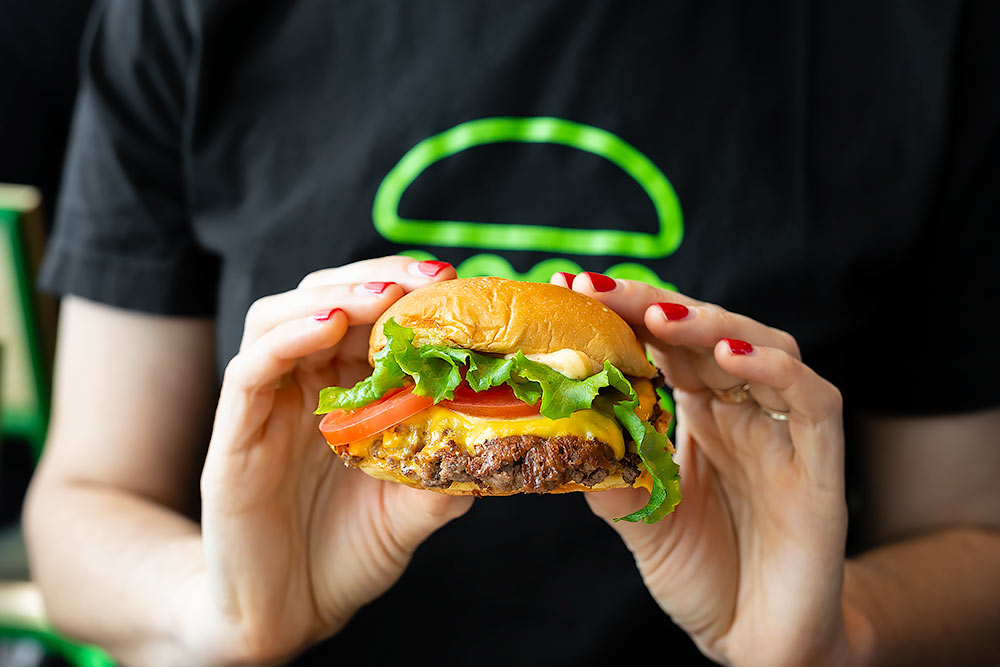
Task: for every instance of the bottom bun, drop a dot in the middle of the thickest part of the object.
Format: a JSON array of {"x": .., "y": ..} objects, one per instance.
[{"x": 376, "y": 469}]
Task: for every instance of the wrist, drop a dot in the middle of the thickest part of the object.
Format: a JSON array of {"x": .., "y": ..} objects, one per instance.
[
  {"x": 203, "y": 632},
  {"x": 194, "y": 622},
  {"x": 859, "y": 634},
  {"x": 210, "y": 637},
  {"x": 851, "y": 643}
]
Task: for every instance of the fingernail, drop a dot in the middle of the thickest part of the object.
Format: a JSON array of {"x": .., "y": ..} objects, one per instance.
[
  {"x": 376, "y": 288},
  {"x": 431, "y": 268},
  {"x": 673, "y": 311},
  {"x": 568, "y": 277},
  {"x": 326, "y": 314},
  {"x": 601, "y": 282},
  {"x": 737, "y": 346}
]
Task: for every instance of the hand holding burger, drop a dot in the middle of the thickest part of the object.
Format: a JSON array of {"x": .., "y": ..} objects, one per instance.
[
  {"x": 486, "y": 386},
  {"x": 292, "y": 543},
  {"x": 751, "y": 564}
]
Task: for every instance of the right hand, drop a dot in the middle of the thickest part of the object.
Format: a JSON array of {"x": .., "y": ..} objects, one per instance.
[{"x": 295, "y": 543}]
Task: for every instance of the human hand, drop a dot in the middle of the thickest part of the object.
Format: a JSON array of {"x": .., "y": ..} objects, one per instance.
[
  {"x": 295, "y": 542},
  {"x": 751, "y": 563}
]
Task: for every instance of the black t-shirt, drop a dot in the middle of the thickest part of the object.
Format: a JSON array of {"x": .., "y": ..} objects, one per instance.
[{"x": 827, "y": 168}]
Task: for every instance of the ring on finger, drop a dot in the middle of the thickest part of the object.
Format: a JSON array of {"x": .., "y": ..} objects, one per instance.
[
  {"x": 736, "y": 395},
  {"x": 776, "y": 415}
]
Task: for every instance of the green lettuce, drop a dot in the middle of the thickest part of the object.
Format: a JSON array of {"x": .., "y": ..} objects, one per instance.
[
  {"x": 654, "y": 450},
  {"x": 436, "y": 371}
]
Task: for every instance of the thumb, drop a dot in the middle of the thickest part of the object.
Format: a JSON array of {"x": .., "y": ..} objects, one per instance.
[
  {"x": 415, "y": 513},
  {"x": 616, "y": 503}
]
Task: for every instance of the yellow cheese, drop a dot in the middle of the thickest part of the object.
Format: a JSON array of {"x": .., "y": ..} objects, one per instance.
[
  {"x": 437, "y": 426},
  {"x": 647, "y": 397}
]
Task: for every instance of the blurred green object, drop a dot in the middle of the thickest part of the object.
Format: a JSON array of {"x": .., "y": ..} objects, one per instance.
[
  {"x": 15, "y": 640},
  {"x": 25, "y": 318},
  {"x": 26, "y": 638},
  {"x": 27, "y": 322}
]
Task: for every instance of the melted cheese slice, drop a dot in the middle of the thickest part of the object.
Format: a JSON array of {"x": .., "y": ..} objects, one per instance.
[
  {"x": 437, "y": 426},
  {"x": 424, "y": 433}
]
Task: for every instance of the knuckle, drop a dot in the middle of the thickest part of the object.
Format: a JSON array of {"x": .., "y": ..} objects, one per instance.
[
  {"x": 835, "y": 397},
  {"x": 787, "y": 342},
  {"x": 379, "y": 265},
  {"x": 714, "y": 310},
  {"x": 311, "y": 278},
  {"x": 790, "y": 369},
  {"x": 255, "y": 313},
  {"x": 235, "y": 375},
  {"x": 720, "y": 319}
]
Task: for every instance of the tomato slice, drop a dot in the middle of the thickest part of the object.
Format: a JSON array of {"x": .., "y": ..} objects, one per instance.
[
  {"x": 343, "y": 426},
  {"x": 496, "y": 402}
]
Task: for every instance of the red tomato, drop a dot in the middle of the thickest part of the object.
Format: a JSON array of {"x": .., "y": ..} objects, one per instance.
[
  {"x": 343, "y": 426},
  {"x": 496, "y": 403}
]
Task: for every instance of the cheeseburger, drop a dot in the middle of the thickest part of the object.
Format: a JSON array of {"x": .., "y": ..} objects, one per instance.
[{"x": 491, "y": 387}]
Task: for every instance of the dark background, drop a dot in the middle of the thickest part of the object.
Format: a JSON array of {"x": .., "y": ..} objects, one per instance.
[{"x": 39, "y": 47}]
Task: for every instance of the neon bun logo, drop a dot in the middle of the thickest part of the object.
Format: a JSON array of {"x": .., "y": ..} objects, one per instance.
[{"x": 498, "y": 236}]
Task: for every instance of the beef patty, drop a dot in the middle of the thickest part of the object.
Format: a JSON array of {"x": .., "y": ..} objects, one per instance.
[{"x": 526, "y": 463}]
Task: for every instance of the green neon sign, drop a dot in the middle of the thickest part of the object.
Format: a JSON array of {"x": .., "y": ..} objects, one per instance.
[
  {"x": 497, "y": 236},
  {"x": 486, "y": 264}
]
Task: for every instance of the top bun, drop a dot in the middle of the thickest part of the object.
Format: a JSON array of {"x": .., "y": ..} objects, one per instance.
[{"x": 500, "y": 316}]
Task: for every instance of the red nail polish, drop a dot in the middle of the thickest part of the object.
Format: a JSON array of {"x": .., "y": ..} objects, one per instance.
[
  {"x": 673, "y": 311},
  {"x": 431, "y": 268},
  {"x": 568, "y": 277},
  {"x": 377, "y": 288},
  {"x": 601, "y": 282},
  {"x": 737, "y": 346},
  {"x": 326, "y": 314}
]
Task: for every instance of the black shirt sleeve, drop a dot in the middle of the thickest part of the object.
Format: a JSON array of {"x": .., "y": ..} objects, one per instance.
[{"x": 123, "y": 233}]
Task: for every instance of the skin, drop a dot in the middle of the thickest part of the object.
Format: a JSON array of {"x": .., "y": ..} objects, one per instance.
[
  {"x": 751, "y": 564},
  {"x": 291, "y": 543}
]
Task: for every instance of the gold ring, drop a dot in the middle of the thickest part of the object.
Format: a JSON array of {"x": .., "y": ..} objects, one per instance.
[
  {"x": 738, "y": 394},
  {"x": 776, "y": 415}
]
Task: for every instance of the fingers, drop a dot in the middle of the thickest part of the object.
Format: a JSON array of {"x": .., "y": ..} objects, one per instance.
[
  {"x": 628, "y": 298},
  {"x": 702, "y": 325},
  {"x": 563, "y": 279},
  {"x": 362, "y": 303},
  {"x": 684, "y": 329},
  {"x": 814, "y": 405},
  {"x": 704, "y": 346},
  {"x": 696, "y": 324},
  {"x": 406, "y": 271},
  {"x": 253, "y": 376},
  {"x": 263, "y": 363},
  {"x": 362, "y": 289}
]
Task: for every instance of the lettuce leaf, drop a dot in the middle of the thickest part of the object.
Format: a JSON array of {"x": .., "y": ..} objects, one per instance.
[
  {"x": 437, "y": 370},
  {"x": 654, "y": 450}
]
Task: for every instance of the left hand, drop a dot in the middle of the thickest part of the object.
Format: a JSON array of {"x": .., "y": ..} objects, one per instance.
[{"x": 751, "y": 563}]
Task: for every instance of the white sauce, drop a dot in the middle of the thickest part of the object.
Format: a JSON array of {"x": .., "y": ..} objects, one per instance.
[{"x": 571, "y": 363}]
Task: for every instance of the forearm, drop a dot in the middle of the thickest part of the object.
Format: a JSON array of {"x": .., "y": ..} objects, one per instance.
[
  {"x": 111, "y": 566},
  {"x": 930, "y": 600}
]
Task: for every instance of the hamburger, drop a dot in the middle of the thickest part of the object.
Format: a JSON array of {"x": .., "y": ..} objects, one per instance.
[{"x": 491, "y": 387}]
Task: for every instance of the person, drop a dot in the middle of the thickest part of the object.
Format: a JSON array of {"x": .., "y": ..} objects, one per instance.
[{"x": 824, "y": 173}]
